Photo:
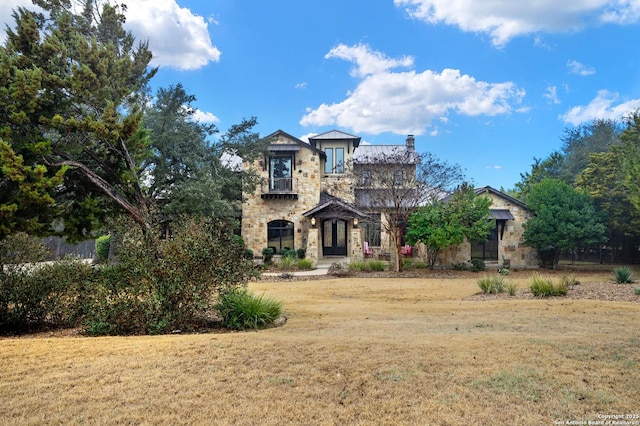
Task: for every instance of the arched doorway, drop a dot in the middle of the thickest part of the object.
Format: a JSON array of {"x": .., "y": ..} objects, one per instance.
[{"x": 334, "y": 237}]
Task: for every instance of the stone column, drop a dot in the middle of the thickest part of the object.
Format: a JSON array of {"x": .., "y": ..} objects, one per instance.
[
  {"x": 312, "y": 246},
  {"x": 357, "y": 250}
]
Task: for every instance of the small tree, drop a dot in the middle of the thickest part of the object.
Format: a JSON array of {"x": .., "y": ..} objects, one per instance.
[
  {"x": 398, "y": 182},
  {"x": 564, "y": 218},
  {"x": 440, "y": 225}
]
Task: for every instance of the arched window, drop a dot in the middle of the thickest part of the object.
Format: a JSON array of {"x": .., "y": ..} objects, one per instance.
[{"x": 280, "y": 235}]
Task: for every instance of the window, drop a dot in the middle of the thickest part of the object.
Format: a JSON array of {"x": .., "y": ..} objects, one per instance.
[
  {"x": 335, "y": 160},
  {"x": 280, "y": 173},
  {"x": 366, "y": 178},
  {"x": 398, "y": 177},
  {"x": 280, "y": 235},
  {"x": 372, "y": 231}
]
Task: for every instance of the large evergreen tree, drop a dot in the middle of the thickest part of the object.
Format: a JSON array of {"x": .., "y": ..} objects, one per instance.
[
  {"x": 565, "y": 218},
  {"x": 184, "y": 173},
  {"x": 70, "y": 106}
]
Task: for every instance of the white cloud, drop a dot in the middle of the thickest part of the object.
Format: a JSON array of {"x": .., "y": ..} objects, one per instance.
[
  {"x": 495, "y": 167},
  {"x": 408, "y": 102},
  {"x": 177, "y": 38},
  {"x": 301, "y": 85},
  {"x": 506, "y": 19},
  {"x": 367, "y": 62},
  {"x": 204, "y": 117},
  {"x": 551, "y": 94},
  {"x": 602, "y": 106},
  {"x": 576, "y": 67}
]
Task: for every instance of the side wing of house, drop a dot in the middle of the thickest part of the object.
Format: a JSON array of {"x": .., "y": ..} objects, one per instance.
[{"x": 505, "y": 242}]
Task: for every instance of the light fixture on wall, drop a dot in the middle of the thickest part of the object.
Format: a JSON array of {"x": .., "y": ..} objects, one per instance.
[
  {"x": 355, "y": 222},
  {"x": 313, "y": 222}
]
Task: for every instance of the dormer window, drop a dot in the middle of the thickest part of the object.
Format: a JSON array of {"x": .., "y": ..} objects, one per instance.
[{"x": 335, "y": 160}]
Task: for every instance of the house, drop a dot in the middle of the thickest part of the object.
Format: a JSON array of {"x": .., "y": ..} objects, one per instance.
[
  {"x": 505, "y": 242},
  {"x": 318, "y": 196}
]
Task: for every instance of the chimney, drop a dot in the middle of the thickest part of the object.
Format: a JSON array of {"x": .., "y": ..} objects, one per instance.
[{"x": 411, "y": 143}]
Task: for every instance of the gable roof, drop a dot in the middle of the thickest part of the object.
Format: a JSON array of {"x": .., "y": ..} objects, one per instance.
[
  {"x": 335, "y": 135},
  {"x": 296, "y": 141},
  {"x": 334, "y": 204},
  {"x": 485, "y": 189}
]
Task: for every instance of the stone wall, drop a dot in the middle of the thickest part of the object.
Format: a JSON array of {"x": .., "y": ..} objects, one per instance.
[
  {"x": 258, "y": 212},
  {"x": 511, "y": 247}
]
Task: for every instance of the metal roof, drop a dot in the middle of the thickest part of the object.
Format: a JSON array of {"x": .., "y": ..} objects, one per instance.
[
  {"x": 381, "y": 154},
  {"x": 501, "y": 214}
]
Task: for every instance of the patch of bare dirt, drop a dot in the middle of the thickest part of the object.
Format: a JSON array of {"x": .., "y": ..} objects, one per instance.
[{"x": 607, "y": 291}]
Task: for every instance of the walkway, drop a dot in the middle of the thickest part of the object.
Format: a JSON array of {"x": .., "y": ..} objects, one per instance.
[{"x": 322, "y": 268}]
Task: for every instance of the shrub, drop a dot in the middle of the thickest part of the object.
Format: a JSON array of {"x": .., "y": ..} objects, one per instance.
[
  {"x": 267, "y": 255},
  {"x": 286, "y": 262},
  {"x": 51, "y": 294},
  {"x": 102, "y": 247},
  {"x": 543, "y": 287},
  {"x": 504, "y": 271},
  {"x": 492, "y": 285},
  {"x": 568, "y": 280},
  {"x": 240, "y": 309},
  {"x": 459, "y": 266},
  {"x": 22, "y": 248},
  {"x": 622, "y": 275},
  {"x": 248, "y": 254},
  {"x": 159, "y": 286},
  {"x": 636, "y": 291},
  {"x": 302, "y": 253},
  {"x": 478, "y": 265},
  {"x": 305, "y": 264},
  {"x": 376, "y": 265},
  {"x": 512, "y": 288},
  {"x": 290, "y": 253}
]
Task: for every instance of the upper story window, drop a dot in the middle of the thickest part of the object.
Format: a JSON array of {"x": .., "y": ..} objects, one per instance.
[
  {"x": 398, "y": 178},
  {"x": 366, "y": 178},
  {"x": 280, "y": 173},
  {"x": 335, "y": 160}
]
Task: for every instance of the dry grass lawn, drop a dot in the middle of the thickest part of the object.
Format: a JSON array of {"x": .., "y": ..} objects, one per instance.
[{"x": 353, "y": 351}]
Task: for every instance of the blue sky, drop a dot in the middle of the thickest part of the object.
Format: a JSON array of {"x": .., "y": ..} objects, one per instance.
[{"x": 486, "y": 84}]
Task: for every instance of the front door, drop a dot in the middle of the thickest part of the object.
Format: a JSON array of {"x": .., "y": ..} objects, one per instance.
[{"x": 334, "y": 237}]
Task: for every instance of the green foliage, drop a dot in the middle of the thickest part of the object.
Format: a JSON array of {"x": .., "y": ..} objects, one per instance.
[
  {"x": 102, "y": 247},
  {"x": 248, "y": 254},
  {"x": 267, "y": 255},
  {"x": 240, "y": 309},
  {"x": 304, "y": 264},
  {"x": 477, "y": 265},
  {"x": 543, "y": 287},
  {"x": 73, "y": 81},
  {"x": 158, "y": 288},
  {"x": 512, "y": 288},
  {"x": 564, "y": 218},
  {"x": 21, "y": 248},
  {"x": 209, "y": 188},
  {"x": 623, "y": 275},
  {"x": 289, "y": 253},
  {"x": 442, "y": 224},
  {"x": 504, "y": 271},
  {"x": 636, "y": 291},
  {"x": 286, "y": 262},
  {"x": 301, "y": 253},
  {"x": 492, "y": 284},
  {"x": 49, "y": 294},
  {"x": 367, "y": 266},
  {"x": 459, "y": 266}
]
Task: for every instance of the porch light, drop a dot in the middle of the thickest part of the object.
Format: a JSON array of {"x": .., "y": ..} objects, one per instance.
[
  {"x": 355, "y": 222},
  {"x": 313, "y": 222}
]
